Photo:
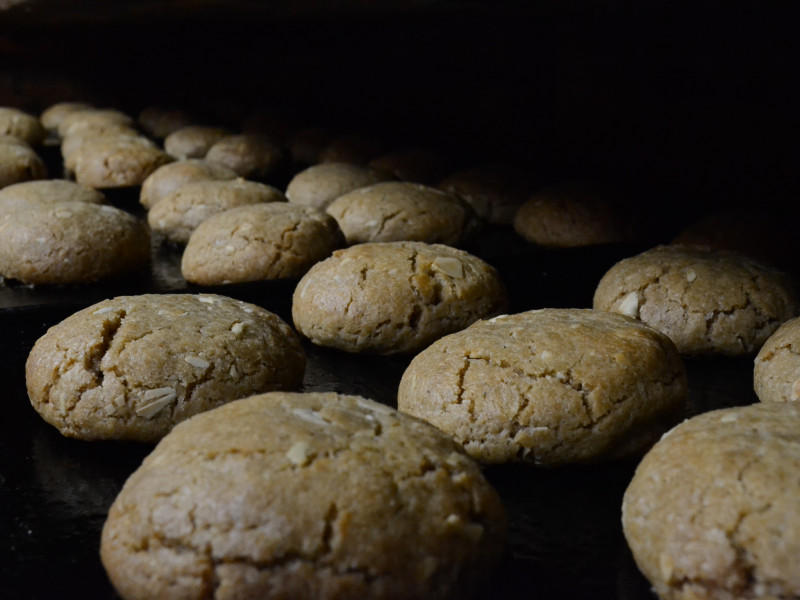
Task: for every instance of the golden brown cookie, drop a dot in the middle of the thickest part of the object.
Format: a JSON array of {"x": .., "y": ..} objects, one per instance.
[
  {"x": 168, "y": 178},
  {"x": 19, "y": 162},
  {"x": 707, "y": 302},
  {"x": 304, "y": 496},
  {"x": 261, "y": 241},
  {"x": 549, "y": 387},
  {"x": 52, "y": 116},
  {"x": 47, "y": 192},
  {"x": 251, "y": 155},
  {"x": 134, "y": 366},
  {"x": 113, "y": 161},
  {"x": 776, "y": 376},
  {"x": 78, "y": 121},
  {"x": 193, "y": 141},
  {"x": 22, "y": 125},
  {"x": 179, "y": 213},
  {"x": 319, "y": 185},
  {"x": 394, "y": 297},
  {"x": 399, "y": 210},
  {"x": 712, "y": 511},
  {"x": 71, "y": 242}
]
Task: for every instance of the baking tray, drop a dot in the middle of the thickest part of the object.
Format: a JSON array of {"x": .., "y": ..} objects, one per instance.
[{"x": 565, "y": 538}]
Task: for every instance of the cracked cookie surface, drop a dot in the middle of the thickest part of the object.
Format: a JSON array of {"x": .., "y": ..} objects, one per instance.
[
  {"x": 319, "y": 185},
  {"x": 168, "y": 178},
  {"x": 776, "y": 374},
  {"x": 394, "y": 297},
  {"x": 549, "y": 387},
  {"x": 712, "y": 511},
  {"x": 257, "y": 242},
  {"x": 134, "y": 366},
  {"x": 708, "y": 302},
  {"x": 303, "y": 496}
]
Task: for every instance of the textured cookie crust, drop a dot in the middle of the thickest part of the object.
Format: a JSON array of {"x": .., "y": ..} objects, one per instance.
[
  {"x": 398, "y": 210},
  {"x": 19, "y": 162},
  {"x": 71, "y": 242},
  {"x": 179, "y": 213},
  {"x": 251, "y": 155},
  {"x": 117, "y": 161},
  {"x": 193, "y": 141},
  {"x": 78, "y": 121},
  {"x": 319, "y": 496},
  {"x": 19, "y": 124},
  {"x": 495, "y": 192},
  {"x": 708, "y": 302},
  {"x": 394, "y": 297},
  {"x": 571, "y": 215},
  {"x": 321, "y": 184},
  {"x": 776, "y": 376},
  {"x": 549, "y": 387},
  {"x": 47, "y": 192},
  {"x": 134, "y": 366},
  {"x": 168, "y": 178},
  {"x": 52, "y": 116},
  {"x": 261, "y": 241},
  {"x": 712, "y": 511}
]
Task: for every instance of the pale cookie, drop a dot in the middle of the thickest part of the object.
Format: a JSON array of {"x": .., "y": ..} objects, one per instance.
[
  {"x": 572, "y": 215},
  {"x": 71, "y": 242},
  {"x": 321, "y": 496},
  {"x": 179, "y": 213},
  {"x": 19, "y": 162},
  {"x": 707, "y": 302},
  {"x": 168, "y": 178},
  {"x": 78, "y": 121},
  {"x": 117, "y": 161},
  {"x": 134, "y": 366},
  {"x": 319, "y": 185},
  {"x": 257, "y": 242},
  {"x": 399, "y": 210},
  {"x": 193, "y": 141},
  {"x": 19, "y": 124},
  {"x": 776, "y": 376},
  {"x": 549, "y": 387},
  {"x": 251, "y": 155},
  {"x": 394, "y": 297},
  {"x": 47, "y": 192},
  {"x": 52, "y": 116},
  {"x": 712, "y": 511},
  {"x": 73, "y": 144}
]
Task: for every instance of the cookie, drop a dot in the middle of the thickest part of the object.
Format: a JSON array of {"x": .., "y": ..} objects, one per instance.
[
  {"x": 261, "y": 241},
  {"x": 712, "y": 511},
  {"x": 305, "y": 145},
  {"x": 52, "y": 116},
  {"x": 116, "y": 161},
  {"x": 419, "y": 166},
  {"x": 394, "y": 297},
  {"x": 304, "y": 496},
  {"x": 495, "y": 191},
  {"x": 78, "y": 121},
  {"x": 398, "y": 210},
  {"x": 47, "y": 192},
  {"x": 73, "y": 144},
  {"x": 19, "y": 162},
  {"x": 319, "y": 185},
  {"x": 572, "y": 215},
  {"x": 133, "y": 366},
  {"x": 168, "y": 178},
  {"x": 71, "y": 242},
  {"x": 251, "y": 155},
  {"x": 193, "y": 141},
  {"x": 179, "y": 213},
  {"x": 158, "y": 122},
  {"x": 22, "y": 125},
  {"x": 709, "y": 303},
  {"x": 549, "y": 387},
  {"x": 776, "y": 375}
]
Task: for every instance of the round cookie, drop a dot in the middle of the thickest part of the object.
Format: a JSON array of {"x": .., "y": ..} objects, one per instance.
[
  {"x": 549, "y": 387},
  {"x": 257, "y": 242},
  {"x": 712, "y": 511},
  {"x": 47, "y": 192},
  {"x": 52, "y": 116},
  {"x": 571, "y": 215},
  {"x": 251, "y": 155},
  {"x": 168, "y": 178},
  {"x": 398, "y": 210},
  {"x": 394, "y": 297},
  {"x": 71, "y": 242},
  {"x": 776, "y": 376},
  {"x": 495, "y": 191},
  {"x": 707, "y": 302},
  {"x": 193, "y": 141},
  {"x": 79, "y": 121},
  {"x": 319, "y": 185},
  {"x": 304, "y": 496},
  {"x": 179, "y": 213},
  {"x": 117, "y": 161},
  {"x": 19, "y": 162},
  {"x": 73, "y": 144},
  {"x": 19, "y": 124},
  {"x": 134, "y": 366}
]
